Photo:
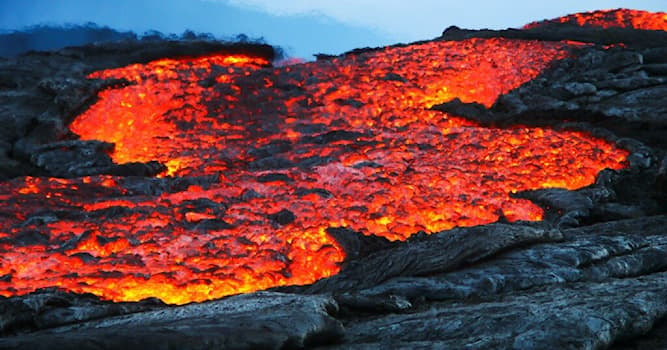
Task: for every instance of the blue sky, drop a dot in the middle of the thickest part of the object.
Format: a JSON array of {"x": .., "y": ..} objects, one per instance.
[{"x": 303, "y": 27}]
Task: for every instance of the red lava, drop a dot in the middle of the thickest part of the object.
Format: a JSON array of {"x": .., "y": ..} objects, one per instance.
[{"x": 347, "y": 142}]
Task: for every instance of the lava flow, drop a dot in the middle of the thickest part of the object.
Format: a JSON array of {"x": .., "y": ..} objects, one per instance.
[
  {"x": 619, "y": 18},
  {"x": 285, "y": 154}
]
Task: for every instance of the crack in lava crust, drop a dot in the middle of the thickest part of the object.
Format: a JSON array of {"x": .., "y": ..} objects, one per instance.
[{"x": 296, "y": 150}]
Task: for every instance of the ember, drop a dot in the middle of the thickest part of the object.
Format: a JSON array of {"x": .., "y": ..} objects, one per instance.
[
  {"x": 348, "y": 142},
  {"x": 620, "y": 18}
]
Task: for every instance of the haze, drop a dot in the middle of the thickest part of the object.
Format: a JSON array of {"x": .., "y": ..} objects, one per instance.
[{"x": 302, "y": 27}]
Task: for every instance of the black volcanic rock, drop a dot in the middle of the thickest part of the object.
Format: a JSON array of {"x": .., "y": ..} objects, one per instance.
[
  {"x": 283, "y": 217},
  {"x": 41, "y": 92},
  {"x": 494, "y": 286},
  {"x": 254, "y": 321},
  {"x": 608, "y": 89},
  {"x": 591, "y": 275}
]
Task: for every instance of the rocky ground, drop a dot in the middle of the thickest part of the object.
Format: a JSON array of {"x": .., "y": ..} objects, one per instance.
[
  {"x": 592, "y": 275},
  {"x": 41, "y": 92}
]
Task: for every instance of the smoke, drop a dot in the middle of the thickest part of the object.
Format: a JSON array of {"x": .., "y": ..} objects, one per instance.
[
  {"x": 418, "y": 20},
  {"x": 41, "y": 38},
  {"x": 49, "y": 37}
]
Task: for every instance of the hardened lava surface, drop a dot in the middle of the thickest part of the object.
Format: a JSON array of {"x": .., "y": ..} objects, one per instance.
[
  {"x": 619, "y": 18},
  {"x": 294, "y": 150}
]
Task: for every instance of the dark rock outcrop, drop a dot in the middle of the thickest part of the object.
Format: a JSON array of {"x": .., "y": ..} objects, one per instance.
[
  {"x": 494, "y": 286},
  {"x": 255, "y": 321},
  {"x": 41, "y": 92},
  {"x": 591, "y": 275}
]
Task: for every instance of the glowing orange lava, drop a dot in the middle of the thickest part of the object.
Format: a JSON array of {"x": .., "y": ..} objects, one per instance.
[
  {"x": 620, "y": 18},
  {"x": 347, "y": 142}
]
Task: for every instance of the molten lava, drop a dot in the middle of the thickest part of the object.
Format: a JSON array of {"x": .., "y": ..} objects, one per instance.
[
  {"x": 619, "y": 18},
  {"x": 347, "y": 142}
]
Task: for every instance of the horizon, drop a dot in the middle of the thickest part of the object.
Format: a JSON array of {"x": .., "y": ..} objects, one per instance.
[{"x": 301, "y": 28}]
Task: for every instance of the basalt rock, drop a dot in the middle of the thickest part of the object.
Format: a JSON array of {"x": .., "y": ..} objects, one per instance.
[
  {"x": 593, "y": 87},
  {"x": 41, "y": 92},
  {"x": 591, "y": 275},
  {"x": 255, "y": 321},
  {"x": 497, "y": 286}
]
